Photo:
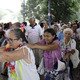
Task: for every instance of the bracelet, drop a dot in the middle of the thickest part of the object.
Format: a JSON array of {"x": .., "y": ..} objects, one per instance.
[{"x": 70, "y": 52}]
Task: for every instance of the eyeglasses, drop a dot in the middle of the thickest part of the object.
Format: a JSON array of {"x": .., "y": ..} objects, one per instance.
[{"x": 11, "y": 40}]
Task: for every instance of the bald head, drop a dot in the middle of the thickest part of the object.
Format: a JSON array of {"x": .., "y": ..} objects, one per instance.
[
  {"x": 32, "y": 18},
  {"x": 32, "y": 21}
]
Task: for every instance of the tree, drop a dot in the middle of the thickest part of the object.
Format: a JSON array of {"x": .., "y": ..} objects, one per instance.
[
  {"x": 64, "y": 10},
  {"x": 32, "y": 8}
]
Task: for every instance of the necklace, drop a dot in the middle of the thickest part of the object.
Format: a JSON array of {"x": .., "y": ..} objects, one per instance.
[{"x": 11, "y": 64}]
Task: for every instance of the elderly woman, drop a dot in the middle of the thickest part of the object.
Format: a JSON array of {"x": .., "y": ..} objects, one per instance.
[
  {"x": 51, "y": 51},
  {"x": 20, "y": 62},
  {"x": 68, "y": 48}
]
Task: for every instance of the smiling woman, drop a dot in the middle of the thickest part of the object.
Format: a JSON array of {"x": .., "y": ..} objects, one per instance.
[
  {"x": 51, "y": 48},
  {"x": 21, "y": 62}
]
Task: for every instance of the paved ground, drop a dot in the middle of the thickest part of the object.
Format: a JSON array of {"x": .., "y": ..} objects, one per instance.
[{"x": 2, "y": 77}]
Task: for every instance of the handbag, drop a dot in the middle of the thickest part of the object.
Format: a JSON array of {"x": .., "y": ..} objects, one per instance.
[
  {"x": 61, "y": 65},
  {"x": 56, "y": 73},
  {"x": 75, "y": 58}
]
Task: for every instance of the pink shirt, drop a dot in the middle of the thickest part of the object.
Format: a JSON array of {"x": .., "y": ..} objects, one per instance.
[{"x": 50, "y": 57}]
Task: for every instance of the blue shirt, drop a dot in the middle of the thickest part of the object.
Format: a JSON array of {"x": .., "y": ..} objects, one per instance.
[{"x": 60, "y": 36}]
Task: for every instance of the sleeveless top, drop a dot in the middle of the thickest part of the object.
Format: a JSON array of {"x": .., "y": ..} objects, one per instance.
[{"x": 25, "y": 71}]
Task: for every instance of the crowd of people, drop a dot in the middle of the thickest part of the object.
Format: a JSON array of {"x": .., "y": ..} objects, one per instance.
[{"x": 31, "y": 51}]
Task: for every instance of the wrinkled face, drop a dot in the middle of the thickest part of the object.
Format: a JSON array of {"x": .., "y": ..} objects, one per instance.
[
  {"x": 31, "y": 21},
  {"x": 48, "y": 37},
  {"x": 13, "y": 41},
  {"x": 67, "y": 35}
]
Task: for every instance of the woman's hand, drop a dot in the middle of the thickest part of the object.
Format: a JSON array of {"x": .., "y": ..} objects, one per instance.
[
  {"x": 65, "y": 57},
  {"x": 2, "y": 49},
  {"x": 72, "y": 51},
  {"x": 30, "y": 45},
  {"x": 68, "y": 54}
]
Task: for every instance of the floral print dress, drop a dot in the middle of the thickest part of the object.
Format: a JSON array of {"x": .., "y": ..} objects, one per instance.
[{"x": 64, "y": 50}]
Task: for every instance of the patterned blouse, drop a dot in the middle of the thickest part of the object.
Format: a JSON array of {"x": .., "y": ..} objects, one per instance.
[{"x": 65, "y": 48}]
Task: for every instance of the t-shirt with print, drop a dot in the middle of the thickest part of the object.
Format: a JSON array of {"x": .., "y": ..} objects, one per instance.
[{"x": 34, "y": 33}]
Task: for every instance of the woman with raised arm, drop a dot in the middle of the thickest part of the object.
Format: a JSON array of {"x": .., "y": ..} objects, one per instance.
[
  {"x": 20, "y": 62},
  {"x": 51, "y": 51}
]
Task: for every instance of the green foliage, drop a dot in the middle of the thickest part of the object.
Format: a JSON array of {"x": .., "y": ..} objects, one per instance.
[
  {"x": 64, "y": 10},
  {"x": 33, "y": 8}
]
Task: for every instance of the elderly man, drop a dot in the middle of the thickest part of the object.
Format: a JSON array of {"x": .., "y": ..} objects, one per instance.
[{"x": 34, "y": 34}]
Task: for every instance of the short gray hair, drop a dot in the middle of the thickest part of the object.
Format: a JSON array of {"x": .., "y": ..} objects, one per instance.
[
  {"x": 18, "y": 33},
  {"x": 32, "y": 18},
  {"x": 64, "y": 26},
  {"x": 68, "y": 29}
]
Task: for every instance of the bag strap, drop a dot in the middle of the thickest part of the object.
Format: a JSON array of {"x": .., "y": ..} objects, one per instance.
[{"x": 56, "y": 56}]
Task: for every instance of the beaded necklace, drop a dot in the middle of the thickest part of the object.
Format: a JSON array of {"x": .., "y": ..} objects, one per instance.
[{"x": 11, "y": 64}]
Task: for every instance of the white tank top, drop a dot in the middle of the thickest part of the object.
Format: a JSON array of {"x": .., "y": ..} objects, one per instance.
[{"x": 29, "y": 71}]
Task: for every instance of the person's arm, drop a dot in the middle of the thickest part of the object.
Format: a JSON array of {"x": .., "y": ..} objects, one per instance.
[
  {"x": 13, "y": 55},
  {"x": 2, "y": 48},
  {"x": 68, "y": 54},
  {"x": 49, "y": 47}
]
